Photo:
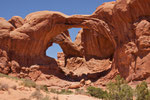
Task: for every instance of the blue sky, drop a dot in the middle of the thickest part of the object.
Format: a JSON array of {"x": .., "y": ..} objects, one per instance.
[{"x": 9, "y": 8}]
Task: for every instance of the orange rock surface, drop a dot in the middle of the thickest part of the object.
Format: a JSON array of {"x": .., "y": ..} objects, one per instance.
[{"x": 115, "y": 39}]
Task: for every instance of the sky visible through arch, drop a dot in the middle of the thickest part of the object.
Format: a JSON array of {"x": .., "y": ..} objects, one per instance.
[{"x": 9, "y": 8}]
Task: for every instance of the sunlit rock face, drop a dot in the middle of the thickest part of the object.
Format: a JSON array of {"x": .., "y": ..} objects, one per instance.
[{"x": 115, "y": 38}]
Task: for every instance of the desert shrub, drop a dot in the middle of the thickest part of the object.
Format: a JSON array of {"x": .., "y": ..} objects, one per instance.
[
  {"x": 9, "y": 77},
  {"x": 44, "y": 88},
  {"x": 37, "y": 94},
  {"x": 55, "y": 98},
  {"x": 142, "y": 92},
  {"x": 80, "y": 91},
  {"x": 119, "y": 90},
  {"x": 64, "y": 91},
  {"x": 29, "y": 83},
  {"x": 14, "y": 87},
  {"x": 96, "y": 92},
  {"x": 24, "y": 99},
  {"x": 4, "y": 87},
  {"x": 54, "y": 91},
  {"x": 46, "y": 98},
  {"x": 3, "y": 75}
]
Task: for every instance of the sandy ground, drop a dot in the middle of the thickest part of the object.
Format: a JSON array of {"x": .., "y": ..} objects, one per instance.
[{"x": 13, "y": 90}]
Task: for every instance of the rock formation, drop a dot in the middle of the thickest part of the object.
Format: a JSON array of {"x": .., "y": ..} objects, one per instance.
[{"x": 115, "y": 39}]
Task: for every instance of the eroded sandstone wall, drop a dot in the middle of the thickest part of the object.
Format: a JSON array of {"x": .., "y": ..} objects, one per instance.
[{"x": 117, "y": 33}]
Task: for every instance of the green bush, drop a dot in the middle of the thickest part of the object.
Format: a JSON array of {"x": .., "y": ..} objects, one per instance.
[
  {"x": 119, "y": 90},
  {"x": 96, "y": 92},
  {"x": 142, "y": 92}
]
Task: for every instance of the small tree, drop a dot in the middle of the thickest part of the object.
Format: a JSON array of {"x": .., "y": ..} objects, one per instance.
[
  {"x": 119, "y": 90},
  {"x": 142, "y": 92},
  {"x": 96, "y": 92}
]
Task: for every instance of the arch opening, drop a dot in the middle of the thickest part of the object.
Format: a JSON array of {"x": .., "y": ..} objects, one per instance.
[
  {"x": 64, "y": 42},
  {"x": 73, "y": 33},
  {"x": 53, "y": 50}
]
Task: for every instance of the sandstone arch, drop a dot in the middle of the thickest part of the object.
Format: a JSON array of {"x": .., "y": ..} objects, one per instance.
[
  {"x": 37, "y": 32},
  {"x": 123, "y": 25}
]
